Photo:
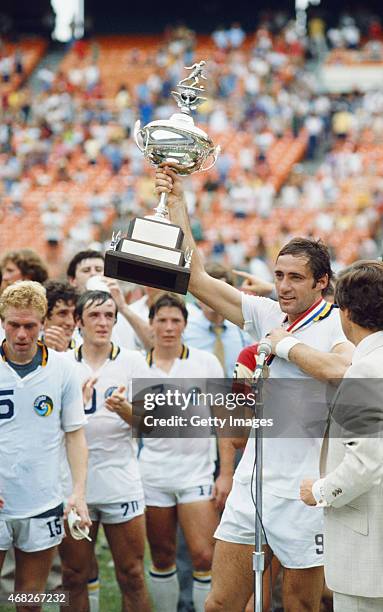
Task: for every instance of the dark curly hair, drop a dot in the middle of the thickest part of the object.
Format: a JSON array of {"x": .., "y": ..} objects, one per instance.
[
  {"x": 359, "y": 289},
  {"x": 29, "y": 263},
  {"x": 59, "y": 290}
]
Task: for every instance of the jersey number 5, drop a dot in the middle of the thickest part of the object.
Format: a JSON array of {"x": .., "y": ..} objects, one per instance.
[{"x": 6, "y": 405}]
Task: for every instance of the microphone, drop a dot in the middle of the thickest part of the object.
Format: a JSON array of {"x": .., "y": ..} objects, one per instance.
[{"x": 263, "y": 351}]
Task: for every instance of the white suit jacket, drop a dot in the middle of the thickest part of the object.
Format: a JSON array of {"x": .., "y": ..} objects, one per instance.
[{"x": 352, "y": 467}]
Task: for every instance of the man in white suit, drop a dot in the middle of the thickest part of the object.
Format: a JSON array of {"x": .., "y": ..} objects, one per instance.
[{"x": 351, "y": 489}]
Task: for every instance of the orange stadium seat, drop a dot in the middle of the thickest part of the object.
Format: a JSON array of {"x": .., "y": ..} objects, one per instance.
[{"x": 31, "y": 51}]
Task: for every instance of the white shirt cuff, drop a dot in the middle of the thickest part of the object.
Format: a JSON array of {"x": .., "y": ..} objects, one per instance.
[{"x": 318, "y": 492}]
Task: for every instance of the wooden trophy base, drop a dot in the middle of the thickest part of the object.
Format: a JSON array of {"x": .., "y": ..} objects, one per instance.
[{"x": 145, "y": 271}]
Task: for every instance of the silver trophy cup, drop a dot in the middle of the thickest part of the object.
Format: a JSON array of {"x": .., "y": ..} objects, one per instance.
[{"x": 151, "y": 252}]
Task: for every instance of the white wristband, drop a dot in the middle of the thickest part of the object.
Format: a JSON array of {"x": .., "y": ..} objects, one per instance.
[{"x": 284, "y": 347}]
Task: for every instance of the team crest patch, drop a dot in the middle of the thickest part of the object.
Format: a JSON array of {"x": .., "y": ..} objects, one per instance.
[
  {"x": 109, "y": 392},
  {"x": 43, "y": 405}
]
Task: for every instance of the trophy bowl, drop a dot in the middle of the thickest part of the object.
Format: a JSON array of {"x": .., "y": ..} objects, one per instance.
[{"x": 176, "y": 141}]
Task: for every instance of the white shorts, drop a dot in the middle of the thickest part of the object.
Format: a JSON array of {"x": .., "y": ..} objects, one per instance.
[
  {"x": 165, "y": 499},
  {"x": 120, "y": 512},
  {"x": 33, "y": 534},
  {"x": 293, "y": 530}
]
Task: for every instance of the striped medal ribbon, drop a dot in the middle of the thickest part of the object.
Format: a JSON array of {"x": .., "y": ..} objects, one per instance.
[{"x": 318, "y": 311}]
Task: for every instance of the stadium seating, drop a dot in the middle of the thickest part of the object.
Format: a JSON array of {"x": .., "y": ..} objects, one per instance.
[
  {"x": 30, "y": 50},
  {"x": 131, "y": 60}
]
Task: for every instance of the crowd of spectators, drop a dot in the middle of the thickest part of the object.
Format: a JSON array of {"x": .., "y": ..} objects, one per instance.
[
  {"x": 17, "y": 60},
  {"x": 11, "y": 63},
  {"x": 355, "y": 39},
  {"x": 66, "y": 151}
]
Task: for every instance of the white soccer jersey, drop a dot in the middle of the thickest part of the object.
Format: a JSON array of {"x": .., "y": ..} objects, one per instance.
[
  {"x": 289, "y": 460},
  {"x": 179, "y": 463},
  {"x": 113, "y": 473},
  {"x": 34, "y": 413}
]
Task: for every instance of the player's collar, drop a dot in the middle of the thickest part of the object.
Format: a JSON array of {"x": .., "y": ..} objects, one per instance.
[
  {"x": 114, "y": 352},
  {"x": 183, "y": 355},
  {"x": 318, "y": 311},
  {"x": 40, "y": 344}
]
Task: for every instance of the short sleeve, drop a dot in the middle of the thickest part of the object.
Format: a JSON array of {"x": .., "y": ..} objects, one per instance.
[
  {"x": 259, "y": 315},
  {"x": 72, "y": 409}
]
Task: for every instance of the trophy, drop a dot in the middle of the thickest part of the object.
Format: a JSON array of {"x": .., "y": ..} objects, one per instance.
[{"x": 151, "y": 251}]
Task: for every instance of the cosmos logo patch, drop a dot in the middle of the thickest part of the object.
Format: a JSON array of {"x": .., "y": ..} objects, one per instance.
[
  {"x": 43, "y": 405},
  {"x": 109, "y": 392}
]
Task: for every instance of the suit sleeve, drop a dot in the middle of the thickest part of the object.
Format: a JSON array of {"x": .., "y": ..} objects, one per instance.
[
  {"x": 360, "y": 470},
  {"x": 356, "y": 423}
]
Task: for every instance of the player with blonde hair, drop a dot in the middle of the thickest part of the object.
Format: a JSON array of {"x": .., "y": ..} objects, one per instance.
[{"x": 40, "y": 399}]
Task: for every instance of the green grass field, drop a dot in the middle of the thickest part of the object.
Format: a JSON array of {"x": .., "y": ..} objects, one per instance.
[{"x": 110, "y": 600}]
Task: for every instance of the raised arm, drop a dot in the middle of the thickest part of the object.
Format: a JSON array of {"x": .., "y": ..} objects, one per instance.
[
  {"x": 215, "y": 293},
  {"x": 140, "y": 327}
]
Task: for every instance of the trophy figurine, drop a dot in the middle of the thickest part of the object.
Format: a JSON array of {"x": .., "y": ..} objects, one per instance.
[{"x": 151, "y": 251}]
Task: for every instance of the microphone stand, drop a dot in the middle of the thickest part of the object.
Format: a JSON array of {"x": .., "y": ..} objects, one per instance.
[{"x": 258, "y": 554}]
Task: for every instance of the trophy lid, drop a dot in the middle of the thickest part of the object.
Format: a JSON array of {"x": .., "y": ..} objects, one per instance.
[
  {"x": 177, "y": 140},
  {"x": 188, "y": 90}
]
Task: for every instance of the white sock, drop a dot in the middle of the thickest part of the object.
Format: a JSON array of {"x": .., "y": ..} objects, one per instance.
[
  {"x": 94, "y": 594},
  {"x": 164, "y": 589},
  {"x": 201, "y": 589}
]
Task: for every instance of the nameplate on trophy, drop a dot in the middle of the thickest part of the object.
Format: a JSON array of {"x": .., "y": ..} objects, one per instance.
[
  {"x": 150, "y": 230},
  {"x": 152, "y": 251}
]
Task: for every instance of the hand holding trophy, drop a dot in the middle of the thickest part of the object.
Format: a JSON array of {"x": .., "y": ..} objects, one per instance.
[{"x": 151, "y": 254}]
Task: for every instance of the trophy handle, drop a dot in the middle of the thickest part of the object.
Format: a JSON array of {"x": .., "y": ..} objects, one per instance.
[
  {"x": 162, "y": 213},
  {"x": 215, "y": 154},
  {"x": 137, "y": 135}
]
